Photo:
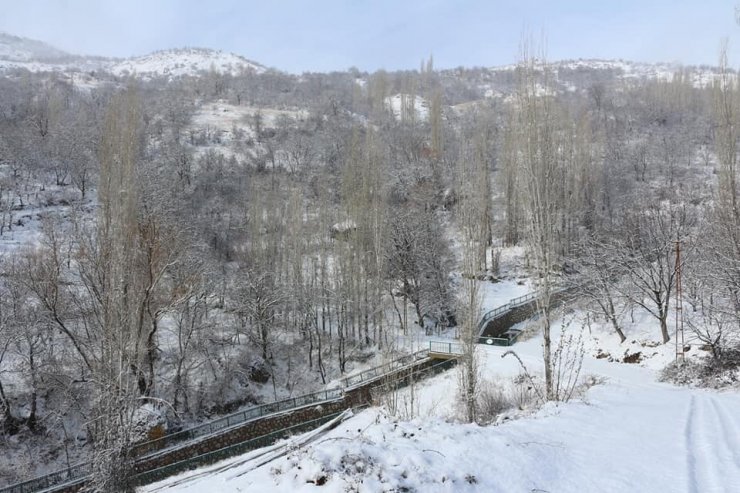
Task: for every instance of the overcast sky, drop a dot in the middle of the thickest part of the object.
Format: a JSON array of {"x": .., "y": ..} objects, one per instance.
[{"x": 321, "y": 35}]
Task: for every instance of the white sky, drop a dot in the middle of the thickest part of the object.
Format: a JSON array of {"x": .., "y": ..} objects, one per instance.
[{"x": 321, "y": 35}]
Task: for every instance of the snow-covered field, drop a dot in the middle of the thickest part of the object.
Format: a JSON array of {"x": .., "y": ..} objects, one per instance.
[
  {"x": 699, "y": 77},
  {"x": 226, "y": 124},
  {"x": 399, "y": 103},
  {"x": 187, "y": 61},
  {"x": 626, "y": 433}
]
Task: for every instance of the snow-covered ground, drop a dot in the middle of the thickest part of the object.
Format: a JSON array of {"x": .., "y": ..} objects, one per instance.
[
  {"x": 226, "y": 124},
  {"x": 699, "y": 77},
  {"x": 23, "y": 49},
  {"x": 399, "y": 103},
  {"x": 629, "y": 433},
  {"x": 186, "y": 61},
  {"x": 624, "y": 432}
]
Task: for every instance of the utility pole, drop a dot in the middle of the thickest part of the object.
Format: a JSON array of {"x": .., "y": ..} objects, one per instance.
[{"x": 679, "y": 307}]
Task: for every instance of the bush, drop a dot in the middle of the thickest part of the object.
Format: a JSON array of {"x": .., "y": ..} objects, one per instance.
[
  {"x": 495, "y": 400},
  {"x": 492, "y": 401},
  {"x": 708, "y": 372}
]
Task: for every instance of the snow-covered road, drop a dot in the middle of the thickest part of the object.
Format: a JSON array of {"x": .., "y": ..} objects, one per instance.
[{"x": 628, "y": 434}]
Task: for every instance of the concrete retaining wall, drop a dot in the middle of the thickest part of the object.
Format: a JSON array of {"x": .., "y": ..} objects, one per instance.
[
  {"x": 357, "y": 396},
  {"x": 497, "y": 326}
]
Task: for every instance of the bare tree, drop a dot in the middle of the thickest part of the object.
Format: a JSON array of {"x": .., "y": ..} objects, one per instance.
[
  {"x": 122, "y": 350},
  {"x": 725, "y": 216},
  {"x": 9, "y": 421},
  {"x": 540, "y": 169},
  {"x": 470, "y": 303},
  {"x": 599, "y": 274},
  {"x": 647, "y": 256}
]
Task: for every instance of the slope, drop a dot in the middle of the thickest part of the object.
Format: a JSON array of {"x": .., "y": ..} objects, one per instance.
[{"x": 626, "y": 433}]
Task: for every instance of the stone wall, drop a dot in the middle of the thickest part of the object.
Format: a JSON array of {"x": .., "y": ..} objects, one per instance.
[
  {"x": 497, "y": 326},
  {"x": 355, "y": 397},
  {"x": 239, "y": 434}
]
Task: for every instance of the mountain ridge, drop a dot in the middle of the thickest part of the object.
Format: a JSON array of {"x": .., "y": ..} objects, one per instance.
[{"x": 17, "y": 52}]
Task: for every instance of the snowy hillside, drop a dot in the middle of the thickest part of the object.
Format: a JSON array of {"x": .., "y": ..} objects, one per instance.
[
  {"x": 614, "y": 440},
  {"x": 181, "y": 62},
  {"x": 565, "y": 70},
  {"x": 18, "y": 49},
  {"x": 699, "y": 76},
  {"x": 36, "y": 56},
  {"x": 404, "y": 104}
]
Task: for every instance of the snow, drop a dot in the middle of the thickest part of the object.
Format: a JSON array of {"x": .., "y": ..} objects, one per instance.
[
  {"x": 628, "y": 434},
  {"x": 343, "y": 227},
  {"x": 699, "y": 77},
  {"x": 224, "y": 122},
  {"x": 20, "y": 49},
  {"x": 181, "y": 62},
  {"x": 397, "y": 102},
  {"x": 224, "y": 116},
  {"x": 624, "y": 432},
  {"x": 36, "y": 56},
  {"x": 496, "y": 294}
]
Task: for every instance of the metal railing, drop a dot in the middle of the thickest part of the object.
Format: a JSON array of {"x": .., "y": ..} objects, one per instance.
[
  {"x": 378, "y": 371},
  {"x": 442, "y": 347},
  {"x": 500, "y": 341},
  {"x": 66, "y": 476},
  {"x": 501, "y": 310},
  {"x": 510, "y": 336},
  {"x": 82, "y": 470},
  {"x": 228, "y": 452},
  {"x": 238, "y": 418},
  {"x": 414, "y": 375}
]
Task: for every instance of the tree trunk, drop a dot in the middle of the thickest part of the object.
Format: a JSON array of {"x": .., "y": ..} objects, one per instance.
[{"x": 664, "y": 327}]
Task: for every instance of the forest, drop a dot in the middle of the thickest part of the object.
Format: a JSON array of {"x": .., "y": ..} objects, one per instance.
[{"x": 183, "y": 247}]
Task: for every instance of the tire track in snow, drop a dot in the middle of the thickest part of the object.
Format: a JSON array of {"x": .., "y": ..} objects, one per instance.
[
  {"x": 689, "y": 439},
  {"x": 730, "y": 434},
  {"x": 703, "y": 431}
]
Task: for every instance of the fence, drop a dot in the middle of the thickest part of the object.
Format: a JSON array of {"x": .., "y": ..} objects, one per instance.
[
  {"x": 230, "y": 451},
  {"x": 558, "y": 296},
  {"x": 79, "y": 471},
  {"x": 407, "y": 378},
  {"x": 441, "y": 347},
  {"x": 511, "y": 338},
  {"x": 499, "y": 311},
  {"x": 65, "y": 476},
  {"x": 241, "y": 417},
  {"x": 384, "y": 369}
]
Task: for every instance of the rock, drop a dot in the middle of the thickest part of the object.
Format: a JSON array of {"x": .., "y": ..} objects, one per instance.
[
  {"x": 632, "y": 358},
  {"x": 259, "y": 372}
]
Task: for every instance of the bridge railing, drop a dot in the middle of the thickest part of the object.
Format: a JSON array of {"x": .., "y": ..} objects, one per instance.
[
  {"x": 56, "y": 478},
  {"x": 501, "y": 310},
  {"x": 250, "y": 414},
  {"x": 81, "y": 470},
  {"x": 383, "y": 369},
  {"x": 230, "y": 451},
  {"x": 444, "y": 347},
  {"x": 509, "y": 340}
]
